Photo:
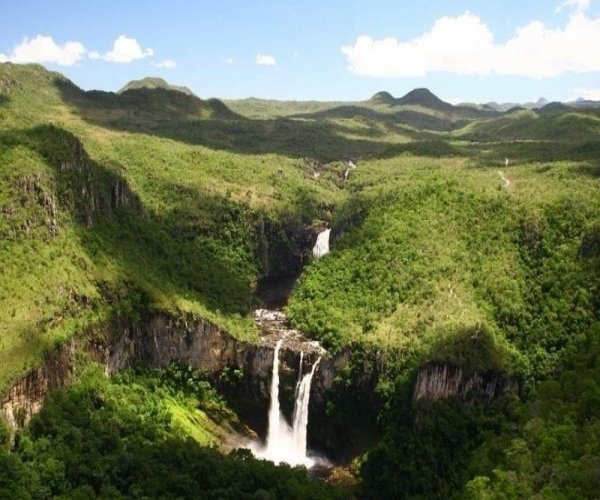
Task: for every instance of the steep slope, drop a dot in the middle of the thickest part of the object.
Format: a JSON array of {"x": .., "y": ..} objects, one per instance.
[{"x": 97, "y": 222}]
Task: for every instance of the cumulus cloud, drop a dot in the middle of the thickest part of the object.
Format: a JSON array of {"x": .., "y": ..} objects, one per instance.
[
  {"x": 43, "y": 49},
  {"x": 124, "y": 50},
  {"x": 167, "y": 63},
  {"x": 265, "y": 60},
  {"x": 465, "y": 45}
]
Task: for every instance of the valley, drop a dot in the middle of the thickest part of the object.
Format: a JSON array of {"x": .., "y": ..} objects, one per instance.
[{"x": 411, "y": 286}]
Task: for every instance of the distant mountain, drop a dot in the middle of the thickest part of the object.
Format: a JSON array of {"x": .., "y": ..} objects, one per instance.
[
  {"x": 553, "y": 107},
  {"x": 417, "y": 97},
  {"x": 383, "y": 98},
  {"x": 152, "y": 82},
  {"x": 506, "y": 106},
  {"x": 424, "y": 97},
  {"x": 584, "y": 103}
]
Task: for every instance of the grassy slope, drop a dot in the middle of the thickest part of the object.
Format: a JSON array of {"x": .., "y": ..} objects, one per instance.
[
  {"x": 444, "y": 248},
  {"x": 200, "y": 197},
  {"x": 191, "y": 250},
  {"x": 443, "y": 262}
]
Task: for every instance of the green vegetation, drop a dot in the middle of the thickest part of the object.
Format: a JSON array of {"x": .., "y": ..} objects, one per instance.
[
  {"x": 123, "y": 438},
  {"x": 97, "y": 223},
  {"x": 442, "y": 246},
  {"x": 113, "y": 205}
]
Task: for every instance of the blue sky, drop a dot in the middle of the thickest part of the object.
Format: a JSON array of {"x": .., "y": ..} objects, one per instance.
[{"x": 345, "y": 50}]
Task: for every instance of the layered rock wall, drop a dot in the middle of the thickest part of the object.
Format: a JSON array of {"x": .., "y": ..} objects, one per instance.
[{"x": 440, "y": 381}]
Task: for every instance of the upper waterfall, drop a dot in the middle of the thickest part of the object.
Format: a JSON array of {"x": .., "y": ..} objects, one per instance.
[{"x": 322, "y": 245}]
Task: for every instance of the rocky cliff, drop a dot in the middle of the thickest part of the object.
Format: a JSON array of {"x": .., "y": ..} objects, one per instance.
[
  {"x": 283, "y": 247},
  {"x": 439, "y": 381},
  {"x": 27, "y": 395},
  {"x": 160, "y": 339}
]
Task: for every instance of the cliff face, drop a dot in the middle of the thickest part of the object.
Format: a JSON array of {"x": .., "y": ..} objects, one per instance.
[
  {"x": 87, "y": 188},
  {"x": 161, "y": 339},
  {"x": 27, "y": 395},
  {"x": 283, "y": 247},
  {"x": 437, "y": 381}
]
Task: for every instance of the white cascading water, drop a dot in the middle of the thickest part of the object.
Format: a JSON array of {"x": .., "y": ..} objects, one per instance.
[
  {"x": 285, "y": 443},
  {"x": 299, "y": 375},
  {"x": 322, "y": 245},
  {"x": 301, "y": 412},
  {"x": 275, "y": 419}
]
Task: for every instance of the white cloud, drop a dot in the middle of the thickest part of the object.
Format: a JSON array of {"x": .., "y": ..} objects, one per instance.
[
  {"x": 579, "y": 5},
  {"x": 589, "y": 94},
  {"x": 265, "y": 60},
  {"x": 43, "y": 49},
  {"x": 125, "y": 50},
  {"x": 229, "y": 61},
  {"x": 167, "y": 63},
  {"x": 465, "y": 45}
]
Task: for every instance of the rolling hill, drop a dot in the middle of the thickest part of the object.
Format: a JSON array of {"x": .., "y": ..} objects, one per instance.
[{"x": 459, "y": 303}]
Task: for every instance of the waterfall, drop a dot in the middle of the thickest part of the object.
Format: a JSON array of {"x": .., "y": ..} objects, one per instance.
[
  {"x": 299, "y": 381},
  {"x": 301, "y": 412},
  {"x": 274, "y": 410},
  {"x": 322, "y": 245},
  {"x": 285, "y": 443}
]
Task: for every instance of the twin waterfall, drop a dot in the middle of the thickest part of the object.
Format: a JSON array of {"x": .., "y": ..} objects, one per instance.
[{"x": 285, "y": 443}]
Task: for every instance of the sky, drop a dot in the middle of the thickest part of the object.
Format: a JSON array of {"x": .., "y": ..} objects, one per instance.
[{"x": 478, "y": 51}]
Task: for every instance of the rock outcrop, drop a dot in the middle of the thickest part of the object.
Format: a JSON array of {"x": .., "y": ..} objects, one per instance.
[
  {"x": 27, "y": 395},
  {"x": 283, "y": 247},
  {"x": 439, "y": 381},
  {"x": 89, "y": 189}
]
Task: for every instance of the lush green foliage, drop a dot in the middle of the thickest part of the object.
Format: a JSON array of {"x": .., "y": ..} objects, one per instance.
[
  {"x": 442, "y": 247},
  {"x": 553, "y": 451},
  {"x": 97, "y": 222},
  {"x": 119, "y": 439},
  {"x": 112, "y": 204}
]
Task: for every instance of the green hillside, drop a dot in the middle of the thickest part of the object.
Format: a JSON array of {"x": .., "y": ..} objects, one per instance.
[
  {"x": 115, "y": 205},
  {"x": 184, "y": 236}
]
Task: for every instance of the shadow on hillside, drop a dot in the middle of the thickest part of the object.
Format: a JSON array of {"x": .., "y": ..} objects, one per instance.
[
  {"x": 588, "y": 169},
  {"x": 190, "y": 252},
  {"x": 533, "y": 151},
  {"x": 411, "y": 118},
  {"x": 436, "y": 148},
  {"x": 4, "y": 100},
  {"x": 185, "y": 118}
]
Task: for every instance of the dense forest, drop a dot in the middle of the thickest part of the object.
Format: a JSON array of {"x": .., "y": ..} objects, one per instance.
[{"x": 463, "y": 241}]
